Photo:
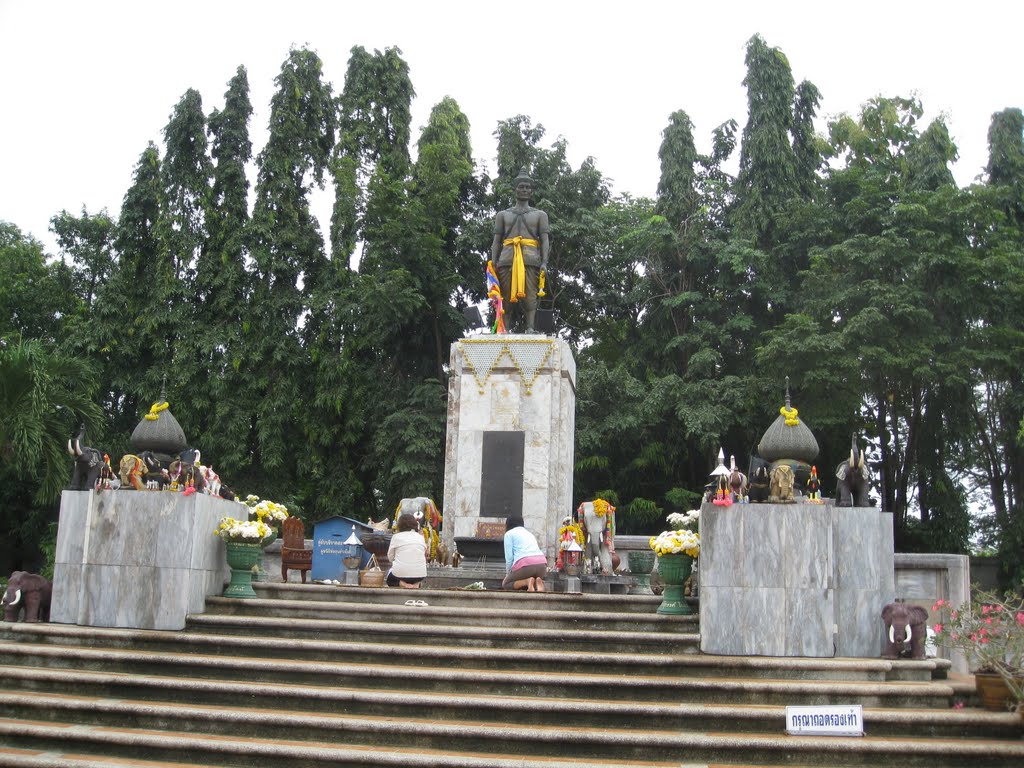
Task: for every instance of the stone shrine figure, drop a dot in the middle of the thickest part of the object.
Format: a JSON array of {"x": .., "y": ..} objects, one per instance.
[{"x": 520, "y": 252}]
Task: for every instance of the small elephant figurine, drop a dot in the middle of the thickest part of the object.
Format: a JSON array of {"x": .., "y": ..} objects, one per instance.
[
  {"x": 905, "y": 631},
  {"x": 782, "y": 482},
  {"x": 28, "y": 592},
  {"x": 88, "y": 464},
  {"x": 853, "y": 480}
]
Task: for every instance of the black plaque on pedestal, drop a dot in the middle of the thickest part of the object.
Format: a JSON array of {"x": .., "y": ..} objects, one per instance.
[{"x": 501, "y": 481}]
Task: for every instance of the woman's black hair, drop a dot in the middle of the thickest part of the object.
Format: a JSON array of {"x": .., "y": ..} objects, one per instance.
[
  {"x": 406, "y": 522},
  {"x": 515, "y": 521}
]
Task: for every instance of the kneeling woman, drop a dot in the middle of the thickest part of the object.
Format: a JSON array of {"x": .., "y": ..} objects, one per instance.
[
  {"x": 408, "y": 555},
  {"x": 524, "y": 561}
]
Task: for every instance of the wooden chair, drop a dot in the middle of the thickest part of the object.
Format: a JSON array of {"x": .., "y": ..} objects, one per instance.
[{"x": 294, "y": 555}]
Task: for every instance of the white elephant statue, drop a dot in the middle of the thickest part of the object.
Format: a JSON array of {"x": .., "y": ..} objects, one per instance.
[{"x": 598, "y": 518}]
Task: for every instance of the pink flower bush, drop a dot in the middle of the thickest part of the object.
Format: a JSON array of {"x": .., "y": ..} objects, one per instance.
[{"x": 990, "y": 634}]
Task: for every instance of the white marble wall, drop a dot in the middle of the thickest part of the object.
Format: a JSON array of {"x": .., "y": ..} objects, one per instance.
[
  {"x": 547, "y": 415},
  {"x": 137, "y": 559},
  {"x": 794, "y": 579}
]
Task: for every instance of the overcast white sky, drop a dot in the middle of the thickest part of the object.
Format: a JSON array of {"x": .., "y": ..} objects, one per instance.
[{"x": 85, "y": 85}]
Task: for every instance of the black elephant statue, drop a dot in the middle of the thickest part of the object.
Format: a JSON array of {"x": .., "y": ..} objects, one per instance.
[
  {"x": 905, "y": 631},
  {"x": 27, "y": 593},
  {"x": 155, "y": 474},
  {"x": 759, "y": 487},
  {"x": 853, "y": 480},
  {"x": 88, "y": 464}
]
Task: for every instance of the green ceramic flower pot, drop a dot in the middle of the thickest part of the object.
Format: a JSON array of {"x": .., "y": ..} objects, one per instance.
[
  {"x": 674, "y": 570},
  {"x": 242, "y": 556}
]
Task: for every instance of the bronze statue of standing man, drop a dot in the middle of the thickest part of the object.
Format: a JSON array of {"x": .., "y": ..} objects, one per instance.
[{"x": 520, "y": 251}]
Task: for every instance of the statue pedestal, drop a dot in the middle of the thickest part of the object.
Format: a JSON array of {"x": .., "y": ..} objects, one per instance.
[
  {"x": 137, "y": 559},
  {"x": 511, "y": 433},
  {"x": 794, "y": 579}
]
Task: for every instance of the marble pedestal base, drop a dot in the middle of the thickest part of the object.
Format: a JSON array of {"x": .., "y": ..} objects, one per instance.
[
  {"x": 137, "y": 559},
  {"x": 522, "y": 387},
  {"x": 794, "y": 579}
]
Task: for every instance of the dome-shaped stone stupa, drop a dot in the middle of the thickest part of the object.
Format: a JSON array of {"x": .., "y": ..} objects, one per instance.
[
  {"x": 159, "y": 432},
  {"x": 789, "y": 441}
]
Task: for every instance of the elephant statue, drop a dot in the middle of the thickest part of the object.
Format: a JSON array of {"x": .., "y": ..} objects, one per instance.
[
  {"x": 131, "y": 470},
  {"x": 782, "y": 481},
  {"x": 853, "y": 480},
  {"x": 760, "y": 485},
  {"x": 184, "y": 476},
  {"x": 737, "y": 482},
  {"x": 905, "y": 631},
  {"x": 88, "y": 464},
  {"x": 28, "y": 592},
  {"x": 598, "y": 519},
  {"x": 156, "y": 474}
]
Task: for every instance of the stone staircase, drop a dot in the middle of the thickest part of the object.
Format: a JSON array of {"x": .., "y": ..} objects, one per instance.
[{"x": 314, "y": 675}]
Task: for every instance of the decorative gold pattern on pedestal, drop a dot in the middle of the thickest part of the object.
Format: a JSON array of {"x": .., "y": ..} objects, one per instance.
[{"x": 527, "y": 355}]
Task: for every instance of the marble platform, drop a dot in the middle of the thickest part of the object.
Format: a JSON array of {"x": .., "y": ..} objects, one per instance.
[
  {"x": 522, "y": 388},
  {"x": 794, "y": 579},
  {"x": 138, "y": 559}
]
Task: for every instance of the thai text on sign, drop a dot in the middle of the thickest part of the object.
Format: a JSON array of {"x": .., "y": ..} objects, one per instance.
[{"x": 845, "y": 720}]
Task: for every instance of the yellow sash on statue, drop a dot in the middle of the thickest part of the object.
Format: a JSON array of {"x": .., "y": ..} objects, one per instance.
[{"x": 518, "y": 288}]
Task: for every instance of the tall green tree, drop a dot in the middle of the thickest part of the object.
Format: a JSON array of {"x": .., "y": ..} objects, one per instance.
[
  {"x": 36, "y": 297},
  {"x": 87, "y": 241},
  {"x": 130, "y": 331},
  {"x": 374, "y": 132},
  {"x": 222, "y": 290},
  {"x": 767, "y": 178},
  {"x": 185, "y": 173},
  {"x": 288, "y": 257},
  {"x": 996, "y": 449},
  {"x": 44, "y": 395}
]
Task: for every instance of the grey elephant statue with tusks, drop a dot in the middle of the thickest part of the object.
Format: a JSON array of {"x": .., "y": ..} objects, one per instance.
[
  {"x": 853, "y": 480},
  {"x": 88, "y": 463},
  {"x": 28, "y": 592},
  {"x": 905, "y": 631}
]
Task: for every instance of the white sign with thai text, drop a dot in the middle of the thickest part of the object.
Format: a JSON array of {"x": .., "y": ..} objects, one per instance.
[{"x": 825, "y": 720}]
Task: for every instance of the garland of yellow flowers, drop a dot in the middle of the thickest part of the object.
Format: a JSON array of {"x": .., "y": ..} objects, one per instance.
[
  {"x": 602, "y": 507},
  {"x": 431, "y": 539},
  {"x": 790, "y": 415},
  {"x": 156, "y": 409}
]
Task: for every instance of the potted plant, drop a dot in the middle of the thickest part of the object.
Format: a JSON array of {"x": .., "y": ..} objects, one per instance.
[
  {"x": 243, "y": 543},
  {"x": 990, "y": 633},
  {"x": 676, "y": 550}
]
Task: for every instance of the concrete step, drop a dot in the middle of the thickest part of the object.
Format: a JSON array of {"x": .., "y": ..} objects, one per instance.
[
  {"x": 241, "y": 738},
  {"x": 678, "y": 664},
  {"x": 396, "y": 611},
  {"x": 553, "y": 683},
  {"x": 54, "y": 691},
  {"x": 524, "y": 637},
  {"x": 484, "y": 599}
]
